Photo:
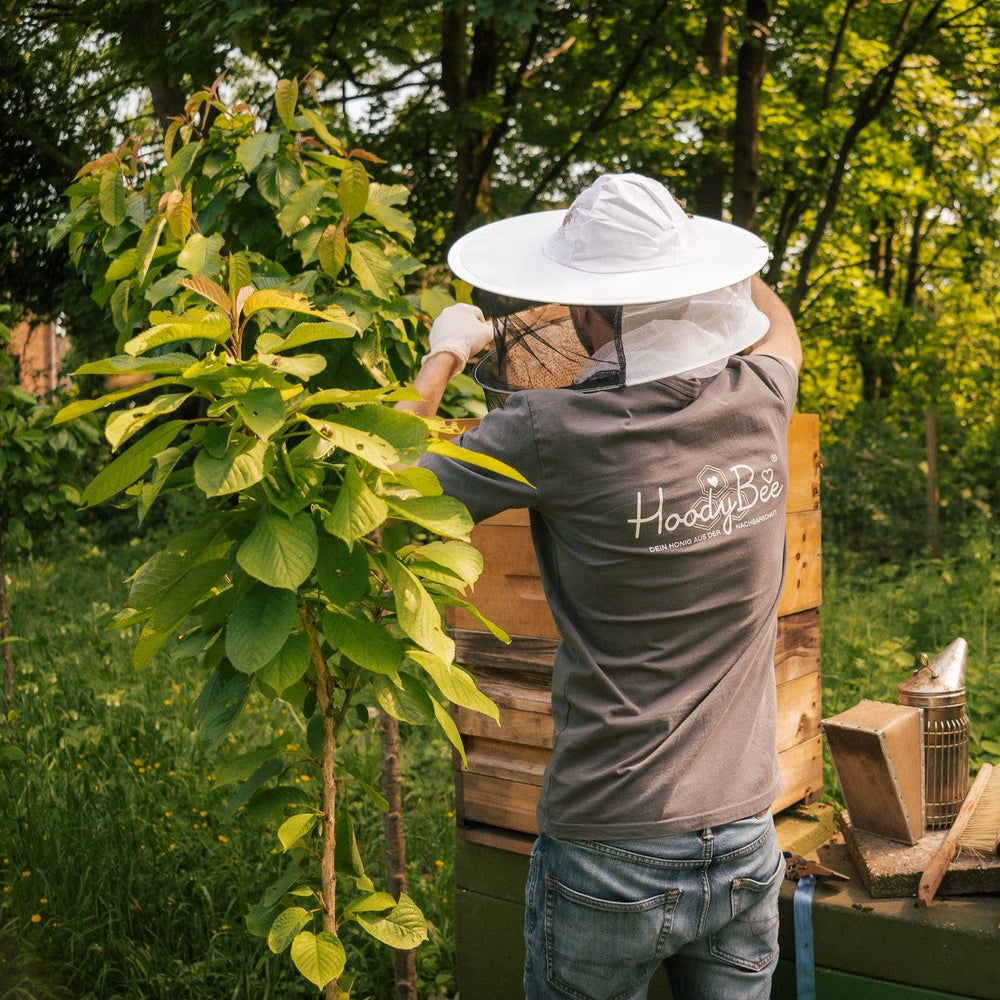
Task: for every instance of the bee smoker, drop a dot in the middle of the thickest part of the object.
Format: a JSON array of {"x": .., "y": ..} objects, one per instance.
[{"x": 937, "y": 687}]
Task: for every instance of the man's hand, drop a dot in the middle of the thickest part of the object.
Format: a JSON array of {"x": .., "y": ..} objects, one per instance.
[
  {"x": 459, "y": 332},
  {"x": 462, "y": 331}
]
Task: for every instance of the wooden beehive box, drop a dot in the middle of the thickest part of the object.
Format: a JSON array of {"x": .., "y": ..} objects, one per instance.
[{"x": 497, "y": 794}]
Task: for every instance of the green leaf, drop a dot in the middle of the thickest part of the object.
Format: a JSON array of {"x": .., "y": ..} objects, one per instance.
[
  {"x": 126, "y": 364},
  {"x": 81, "y": 407},
  {"x": 258, "y": 627},
  {"x": 310, "y": 333},
  {"x": 182, "y": 160},
  {"x": 287, "y": 668},
  {"x": 364, "y": 642},
  {"x": 372, "y": 268},
  {"x": 349, "y": 863},
  {"x": 443, "y": 515},
  {"x": 254, "y": 148},
  {"x": 276, "y": 890},
  {"x": 403, "y": 927},
  {"x": 302, "y": 366},
  {"x": 357, "y": 510},
  {"x": 277, "y": 298},
  {"x": 220, "y": 703},
  {"x": 332, "y": 249},
  {"x": 240, "y": 466},
  {"x": 319, "y": 957},
  {"x": 449, "y": 563},
  {"x": 353, "y": 189},
  {"x": 295, "y": 828},
  {"x": 146, "y": 247},
  {"x": 320, "y": 128},
  {"x": 298, "y": 211},
  {"x": 202, "y": 254},
  {"x": 286, "y": 925},
  {"x": 366, "y": 446},
  {"x": 123, "y": 424},
  {"x": 381, "y": 201},
  {"x": 404, "y": 697},
  {"x": 456, "y": 684},
  {"x": 343, "y": 571},
  {"x": 451, "y": 450},
  {"x": 131, "y": 464},
  {"x": 286, "y": 97},
  {"x": 416, "y": 611},
  {"x": 112, "y": 198},
  {"x": 211, "y": 326},
  {"x": 448, "y": 727},
  {"x": 280, "y": 551},
  {"x": 241, "y": 767},
  {"x": 262, "y": 410}
]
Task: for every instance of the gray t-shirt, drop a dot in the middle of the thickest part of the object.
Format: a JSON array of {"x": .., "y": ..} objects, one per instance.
[{"x": 658, "y": 516}]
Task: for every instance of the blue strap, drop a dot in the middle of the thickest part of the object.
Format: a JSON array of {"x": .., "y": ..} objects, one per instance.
[{"x": 805, "y": 954}]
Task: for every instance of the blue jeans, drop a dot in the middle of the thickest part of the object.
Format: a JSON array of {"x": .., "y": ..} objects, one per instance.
[{"x": 600, "y": 917}]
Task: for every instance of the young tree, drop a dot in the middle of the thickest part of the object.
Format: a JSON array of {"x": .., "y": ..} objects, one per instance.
[{"x": 256, "y": 278}]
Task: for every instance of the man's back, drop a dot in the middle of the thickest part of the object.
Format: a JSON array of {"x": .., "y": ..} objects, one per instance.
[{"x": 658, "y": 514}]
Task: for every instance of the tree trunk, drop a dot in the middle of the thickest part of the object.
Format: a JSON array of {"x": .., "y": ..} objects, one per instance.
[
  {"x": 712, "y": 173},
  {"x": 751, "y": 66},
  {"x": 404, "y": 961}
]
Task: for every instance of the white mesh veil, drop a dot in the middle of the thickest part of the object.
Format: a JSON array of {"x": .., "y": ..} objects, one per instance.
[{"x": 536, "y": 346}]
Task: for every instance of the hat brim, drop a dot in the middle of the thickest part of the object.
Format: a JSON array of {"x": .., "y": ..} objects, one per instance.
[{"x": 507, "y": 258}]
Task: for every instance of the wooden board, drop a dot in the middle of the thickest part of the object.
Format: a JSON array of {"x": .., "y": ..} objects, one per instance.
[{"x": 501, "y": 790}]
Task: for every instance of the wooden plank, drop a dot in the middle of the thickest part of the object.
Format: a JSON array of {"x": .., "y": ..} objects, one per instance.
[
  {"x": 803, "y": 463},
  {"x": 497, "y": 800},
  {"x": 525, "y": 713},
  {"x": 796, "y": 650},
  {"x": 802, "y": 773},
  {"x": 799, "y": 710},
  {"x": 803, "y": 587}
]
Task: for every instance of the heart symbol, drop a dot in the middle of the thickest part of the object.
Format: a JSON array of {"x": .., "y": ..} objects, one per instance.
[
  {"x": 767, "y": 475},
  {"x": 713, "y": 481}
]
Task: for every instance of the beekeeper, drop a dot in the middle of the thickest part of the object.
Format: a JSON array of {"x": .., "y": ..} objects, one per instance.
[{"x": 657, "y": 489}]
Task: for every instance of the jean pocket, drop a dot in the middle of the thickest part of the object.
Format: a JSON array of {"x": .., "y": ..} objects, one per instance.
[
  {"x": 750, "y": 939},
  {"x": 598, "y": 949}
]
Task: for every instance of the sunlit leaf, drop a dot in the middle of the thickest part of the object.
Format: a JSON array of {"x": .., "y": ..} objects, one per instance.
[
  {"x": 286, "y": 925},
  {"x": 403, "y": 927},
  {"x": 295, "y": 828},
  {"x": 319, "y": 957}
]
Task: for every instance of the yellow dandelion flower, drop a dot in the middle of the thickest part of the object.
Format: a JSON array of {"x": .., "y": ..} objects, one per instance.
[
  {"x": 223, "y": 839},
  {"x": 36, "y": 918}
]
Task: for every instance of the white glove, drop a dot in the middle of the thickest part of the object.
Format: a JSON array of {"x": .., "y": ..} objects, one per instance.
[{"x": 460, "y": 330}]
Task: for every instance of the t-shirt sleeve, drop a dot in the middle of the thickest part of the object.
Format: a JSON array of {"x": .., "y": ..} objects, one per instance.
[
  {"x": 778, "y": 375},
  {"x": 506, "y": 434}
]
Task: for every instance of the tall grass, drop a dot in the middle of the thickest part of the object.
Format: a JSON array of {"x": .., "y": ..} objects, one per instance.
[
  {"x": 121, "y": 875},
  {"x": 122, "y": 878}
]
